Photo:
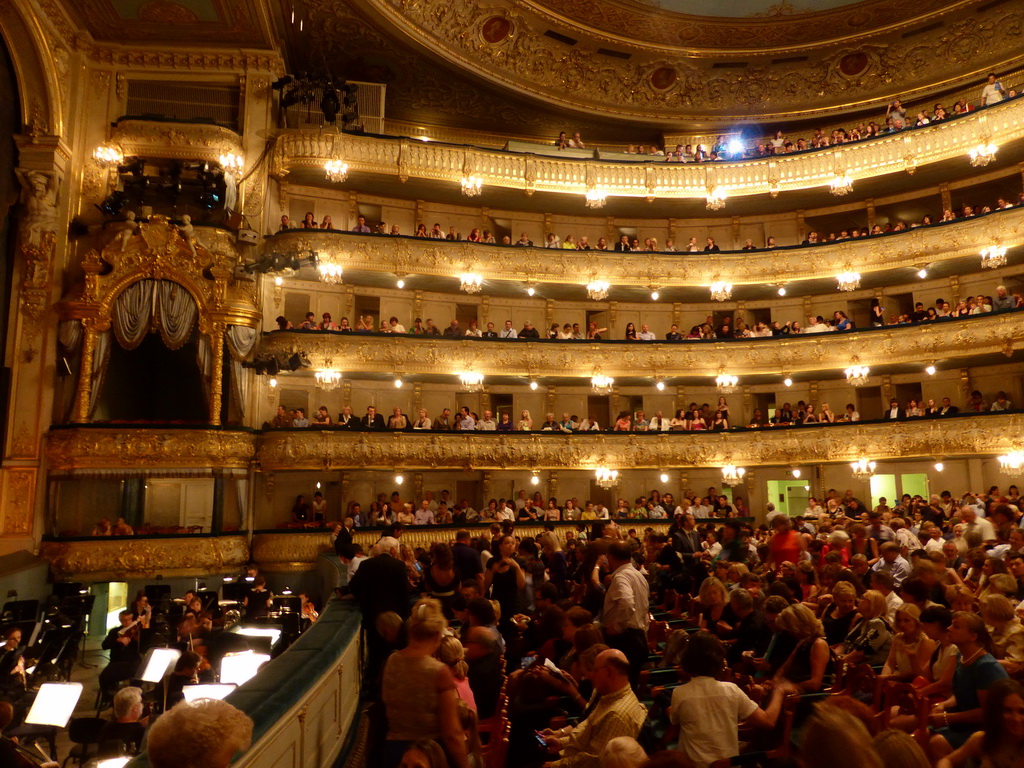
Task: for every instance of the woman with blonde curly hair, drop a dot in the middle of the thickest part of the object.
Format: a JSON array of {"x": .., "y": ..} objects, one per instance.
[
  {"x": 419, "y": 691},
  {"x": 808, "y": 660},
  {"x": 871, "y": 636}
]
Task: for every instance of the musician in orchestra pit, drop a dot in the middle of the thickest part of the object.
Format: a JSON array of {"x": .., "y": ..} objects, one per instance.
[
  {"x": 186, "y": 672},
  {"x": 258, "y": 599},
  {"x": 12, "y": 666},
  {"x": 128, "y": 725},
  {"x": 123, "y": 641},
  {"x": 12, "y": 754},
  {"x": 141, "y": 609},
  {"x": 195, "y": 626}
]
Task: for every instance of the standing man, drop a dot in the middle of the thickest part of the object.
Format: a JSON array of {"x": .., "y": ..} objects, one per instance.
[
  {"x": 625, "y": 614},
  {"x": 380, "y": 585}
]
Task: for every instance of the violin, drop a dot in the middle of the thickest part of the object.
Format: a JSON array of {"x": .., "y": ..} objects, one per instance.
[{"x": 26, "y": 758}]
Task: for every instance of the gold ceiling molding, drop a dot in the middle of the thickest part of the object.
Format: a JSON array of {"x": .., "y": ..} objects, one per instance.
[
  {"x": 287, "y": 552},
  {"x": 947, "y": 341},
  {"x": 176, "y": 141},
  {"x": 410, "y": 451},
  {"x": 148, "y": 448},
  {"x": 865, "y": 255},
  {"x": 140, "y": 558},
  {"x": 663, "y": 85},
  {"x": 893, "y": 153}
]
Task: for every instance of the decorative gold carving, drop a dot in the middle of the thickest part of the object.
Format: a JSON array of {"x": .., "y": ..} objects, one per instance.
[
  {"x": 283, "y": 552},
  {"x": 442, "y": 258},
  {"x": 18, "y": 500},
  {"x": 313, "y": 450},
  {"x": 179, "y": 141},
  {"x": 102, "y": 560},
  {"x": 301, "y": 148},
  {"x": 134, "y": 449},
  {"x": 988, "y": 335}
]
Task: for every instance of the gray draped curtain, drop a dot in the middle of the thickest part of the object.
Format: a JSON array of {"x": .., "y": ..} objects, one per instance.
[
  {"x": 240, "y": 340},
  {"x": 133, "y": 310},
  {"x": 100, "y": 358},
  {"x": 177, "y": 312},
  {"x": 69, "y": 334}
]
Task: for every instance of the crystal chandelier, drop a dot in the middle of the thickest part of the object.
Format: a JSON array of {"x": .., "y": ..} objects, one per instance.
[
  {"x": 863, "y": 468},
  {"x": 993, "y": 256},
  {"x": 471, "y": 282},
  {"x": 330, "y": 272},
  {"x": 732, "y": 475},
  {"x": 848, "y": 281},
  {"x": 602, "y": 385},
  {"x": 841, "y": 185},
  {"x": 232, "y": 164},
  {"x": 857, "y": 374},
  {"x": 983, "y": 154},
  {"x": 597, "y": 290},
  {"x": 336, "y": 171},
  {"x": 471, "y": 381},
  {"x": 726, "y": 383},
  {"x": 108, "y": 155},
  {"x": 606, "y": 478},
  {"x": 595, "y": 198},
  {"x": 327, "y": 378},
  {"x": 472, "y": 185},
  {"x": 716, "y": 199},
  {"x": 1011, "y": 462},
  {"x": 721, "y": 291}
]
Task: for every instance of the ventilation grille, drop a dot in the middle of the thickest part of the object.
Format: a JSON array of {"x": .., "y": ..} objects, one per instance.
[
  {"x": 614, "y": 54},
  {"x": 369, "y": 102},
  {"x": 184, "y": 101},
  {"x": 922, "y": 30},
  {"x": 560, "y": 37},
  {"x": 729, "y": 65}
]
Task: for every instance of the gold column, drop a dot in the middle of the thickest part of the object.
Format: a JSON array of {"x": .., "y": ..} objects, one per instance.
[
  {"x": 485, "y": 488},
  {"x": 611, "y": 232},
  {"x": 348, "y": 304},
  {"x": 217, "y": 376},
  {"x": 735, "y": 233},
  {"x": 801, "y": 225},
  {"x": 680, "y": 399},
  {"x": 886, "y": 389},
  {"x": 417, "y": 304},
  {"x": 954, "y": 289},
  {"x": 672, "y": 229},
  {"x": 418, "y": 213},
  {"x": 417, "y": 399},
  {"x": 485, "y": 400},
  {"x": 677, "y": 313},
  {"x": 549, "y": 401},
  {"x": 417, "y": 487},
  {"x": 83, "y": 392},
  {"x": 549, "y": 317},
  {"x": 552, "y": 489},
  {"x": 870, "y": 204},
  {"x": 346, "y": 392},
  {"x": 947, "y": 199},
  {"x": 485, "y": 312}
]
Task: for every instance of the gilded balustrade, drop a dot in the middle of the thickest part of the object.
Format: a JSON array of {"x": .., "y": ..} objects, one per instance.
[
  {"x": 140, "y": 449},
  {"x": 326, "y": 450},
  {"x": 127, "y": 558},
  {"x": 908, "y": 249},
  {"x": 892, "y": 153},
  {"x": 175, "y": 141},
  {"x": 917, "y": 345}
]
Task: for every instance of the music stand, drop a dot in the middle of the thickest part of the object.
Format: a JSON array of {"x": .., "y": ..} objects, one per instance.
[
  {"x": 54, "y": 704},
  {"x": 241, "y": 667},
  {"x": 207, "y": 691},
  {"x": 156, "y": 664}
]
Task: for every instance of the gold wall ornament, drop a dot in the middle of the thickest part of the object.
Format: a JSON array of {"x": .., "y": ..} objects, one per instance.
[
  {"x": 954, "y": 341},
  {"x": 285, "y": 552},
  {"x": 17, "y": 500},
  {"x": 176, "y": 141},
  {"x": 318, "y": 450},
  {"x": 373, "y": 253},
  {"x": 140, "y": 449},
  {"x": 306, "y": 149},
  {"x": 135, "y": 558}
]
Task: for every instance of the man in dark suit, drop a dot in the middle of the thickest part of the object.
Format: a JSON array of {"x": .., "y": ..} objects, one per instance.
[
  {"x": 948, "y": 409},
  {"x": 372, "y": 419},
  {"x": 468, "y": 563},
  {"x": 894, "y": 412},
  {"x": 380, "y": 585}
]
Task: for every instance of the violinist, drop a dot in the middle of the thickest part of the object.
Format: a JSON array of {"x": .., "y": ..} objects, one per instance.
[
  {"x": 141, "y": 609},
  {"x": 12, "y": 666},
  {"x": 12, "y": 754},
  {"x": 186, "y": 672},
  {"x": 196, "y": 625},
  {"x": 123, "y": 641}
]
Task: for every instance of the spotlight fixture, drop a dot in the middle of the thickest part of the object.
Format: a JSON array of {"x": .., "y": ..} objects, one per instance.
[
  {"x": 857, "y": 374},
  {"x": 471, "y": 282},
  {"x": 983, "y": 154},
  {"x": 595, "y": 198},
  {"x": 994, "y": 256},
  {"x": 841, "y": 185},
  {"x": 848, "y": 281},
  {"x": 726, "y": 383},
  {"x": 336, "y": 171},
  {"x": 471, "y": 185},
  {"x": 863, "y": 469},
  {"x": 715, "y": 199},
  {"x": 732, "y": 475},
  {"x": 606, "y": 478},
  {"x": 721, "y": 291},
  {"x": 597, "y": 290},
  {"x": 602, "y": 385},
  {"x": 471, "y": 381},
  {"x": 327, "y": 379}
]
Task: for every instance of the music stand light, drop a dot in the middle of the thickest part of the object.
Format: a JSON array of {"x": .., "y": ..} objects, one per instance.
[
  {"x": 54, "y": 704},
  {"x": 207, "y": 691},
  {"x": 241, "y": 667},
  {"x": 157, "y": 662},
  {"x": 112, "y": 762}
]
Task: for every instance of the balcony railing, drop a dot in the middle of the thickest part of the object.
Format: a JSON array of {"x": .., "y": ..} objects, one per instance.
[
  {"x": 917, "y": 344},
  {"x": 911, "y": 248},
  {"x": 892, "y": 153}
]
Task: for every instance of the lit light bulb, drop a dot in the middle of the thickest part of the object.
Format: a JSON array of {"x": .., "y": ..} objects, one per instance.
[
  {"x": 278, "y": 281},
  {"x": 797, "y": 473},
  {"x": 398, "y": 383},
  {"x": 787, "y": 381},
  {"x": 318, "y": 485},
  {"x": 530, "y": 291},
  {"x": 655, "y": 295},
  {"x": 660, "y": 386},
  {"x": 782, "y": 290},
  {"x": 663, "y": 477},
  {"x": 939, "y": 466},
  {"x": 399, "y": 479},
  {"x": 535, "y": 480},
  {"x": 534, "y": 385},
  {"x": 272, "y": 383},
  {"x": 930, "y": 370},
  {"x": 922, "y": 273},
  {"x": 401, "y": 283}
]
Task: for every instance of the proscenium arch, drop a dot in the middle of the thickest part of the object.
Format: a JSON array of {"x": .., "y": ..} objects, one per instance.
[{"x": 34, "y": 69}]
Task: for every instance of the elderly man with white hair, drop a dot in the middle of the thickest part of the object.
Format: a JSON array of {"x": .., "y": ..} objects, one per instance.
[
  {"x": 128, "y": 727},
  {"x": 380, "y": 585},
  {"x": 202, "y": 734}
]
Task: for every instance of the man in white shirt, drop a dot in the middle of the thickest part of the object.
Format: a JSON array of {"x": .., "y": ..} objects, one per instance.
[
  {"x": 993, "y": 91},
  {"x": 659, "y": 423},
  {"x": 396, "y": 327},
  {"x": 625, "y": 614},
  {"x": 813, "y": 326},
  {"x": 508, "y": 332},
  {"x": 466, "y": 422},
  {"x": 645, "y": 333},
  {"x": 424, "y": 515},
  {"x": 487, "y": 423},
  {"x": 977, "y": 531}
]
